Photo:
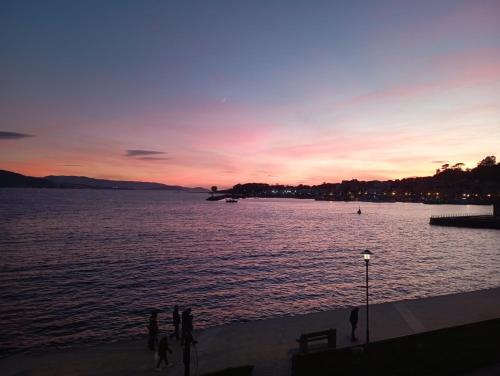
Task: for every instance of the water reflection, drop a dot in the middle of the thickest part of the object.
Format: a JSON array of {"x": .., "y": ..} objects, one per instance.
[{"x": 84, "y": 265}]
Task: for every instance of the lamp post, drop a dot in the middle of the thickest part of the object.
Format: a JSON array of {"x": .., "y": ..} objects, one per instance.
[{"x": 366, "y": 255}]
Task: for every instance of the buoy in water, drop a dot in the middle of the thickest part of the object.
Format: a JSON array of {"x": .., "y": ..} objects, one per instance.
[{"x": 359, "y": 210}]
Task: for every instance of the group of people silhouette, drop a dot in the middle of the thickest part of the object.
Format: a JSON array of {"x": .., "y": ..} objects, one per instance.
[{"x": 184, "y": 322}]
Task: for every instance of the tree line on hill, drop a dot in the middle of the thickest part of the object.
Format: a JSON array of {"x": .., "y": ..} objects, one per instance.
[{"x": 450, "y": 184}]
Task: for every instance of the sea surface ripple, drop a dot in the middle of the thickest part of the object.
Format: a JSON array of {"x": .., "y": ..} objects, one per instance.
[{"x": 87, "y": 266}]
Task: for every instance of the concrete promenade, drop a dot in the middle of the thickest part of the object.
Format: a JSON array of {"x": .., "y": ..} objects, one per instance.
[{"x": 266, "y": 344}]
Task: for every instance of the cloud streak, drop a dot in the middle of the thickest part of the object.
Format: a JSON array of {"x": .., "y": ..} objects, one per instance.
[
  {"x": 153, "y": 159},
  {"x": 142, "y": 153},
  {"x": 13, "y": 135}
]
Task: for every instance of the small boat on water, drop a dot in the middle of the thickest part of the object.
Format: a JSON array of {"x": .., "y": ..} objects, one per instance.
[
  {"x": 359, "y": 210},
  {"x": 231, "y": 200}
]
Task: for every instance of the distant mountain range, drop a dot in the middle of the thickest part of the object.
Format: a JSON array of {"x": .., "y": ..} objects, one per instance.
[{"x": 12, "y": 180}]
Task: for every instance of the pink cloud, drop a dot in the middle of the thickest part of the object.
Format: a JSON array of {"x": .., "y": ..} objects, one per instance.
[
  {"x": 474, "y": 16},
  {"x": 344, "y": 145},
  {"x": 456, "y": 70}
]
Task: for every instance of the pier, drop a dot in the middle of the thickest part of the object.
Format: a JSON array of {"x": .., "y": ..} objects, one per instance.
[
  {"x": 471, "y": 221},
  {"x": 268, "y": 345},
  {"x": 223, "y": 197}
]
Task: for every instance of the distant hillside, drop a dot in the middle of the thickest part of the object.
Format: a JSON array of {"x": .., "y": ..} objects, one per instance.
[
  {"x": 11, "y": 179},
  {"x": 85, "y": 182}
]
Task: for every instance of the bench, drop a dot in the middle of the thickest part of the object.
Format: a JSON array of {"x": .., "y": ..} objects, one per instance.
[{"x": 330, "y": 335}]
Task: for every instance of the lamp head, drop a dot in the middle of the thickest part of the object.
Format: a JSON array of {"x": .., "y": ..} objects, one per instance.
[{"x": 366, "y": 255}]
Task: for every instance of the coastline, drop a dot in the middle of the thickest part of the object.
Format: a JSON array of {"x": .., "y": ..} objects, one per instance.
[{"x": 267, "y": 344}]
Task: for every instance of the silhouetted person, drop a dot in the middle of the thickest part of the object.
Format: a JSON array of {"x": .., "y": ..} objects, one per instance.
[
  {"x": 153, "y": 330},
  {"x": 354, "y": 322},
  {"x": 189, "y": 323},
  {"x": 186, "y": 354},
  {"x": 186, "y": 322},
  {"x": 162, "y": 351},
  {"x": 176, "y": 318}
]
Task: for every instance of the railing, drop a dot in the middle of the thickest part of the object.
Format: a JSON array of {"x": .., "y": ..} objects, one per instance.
[{"x": 456, "y": 215}]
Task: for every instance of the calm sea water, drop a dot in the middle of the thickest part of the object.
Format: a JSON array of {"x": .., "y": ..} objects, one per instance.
[{"x": 85, "y": 266}]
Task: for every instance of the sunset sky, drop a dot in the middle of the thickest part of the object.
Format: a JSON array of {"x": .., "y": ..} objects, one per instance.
[{"x": 225, "y": 92}]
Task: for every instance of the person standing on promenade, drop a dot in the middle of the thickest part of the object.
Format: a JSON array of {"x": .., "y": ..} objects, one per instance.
[
  {"x": 184, "y": 318},
  {"x": 153, "y": 330},
  {"x": 176, "y": 318},
  {"x": 186, "y": 354},
  {"x": 189, "y": 324},
  {"x": 354, "y": 322},
  {"x": 162, "y": 351},
  {"x": 186, "y": 322}
]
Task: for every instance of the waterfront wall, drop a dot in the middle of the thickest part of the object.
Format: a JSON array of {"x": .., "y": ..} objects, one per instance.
[{"x": 451, "y": 350}]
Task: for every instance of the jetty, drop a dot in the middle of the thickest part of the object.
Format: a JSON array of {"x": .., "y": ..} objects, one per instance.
[
  {"x": 269, "y": 347},
  {"x": 224, "y": 197},
  {"x": 471, "y": 221},
  {"x": 217, "y": 198}
]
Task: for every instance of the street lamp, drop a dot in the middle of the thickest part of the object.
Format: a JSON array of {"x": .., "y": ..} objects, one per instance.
[{"x": 366, "y": 255}]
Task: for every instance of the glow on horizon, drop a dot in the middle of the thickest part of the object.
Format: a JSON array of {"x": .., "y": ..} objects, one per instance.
[{"x": 317, "y": 93}]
